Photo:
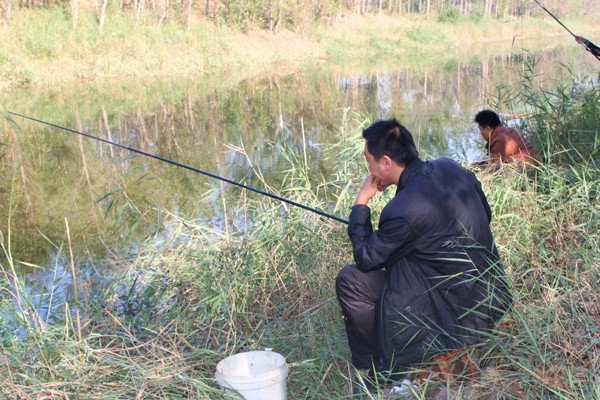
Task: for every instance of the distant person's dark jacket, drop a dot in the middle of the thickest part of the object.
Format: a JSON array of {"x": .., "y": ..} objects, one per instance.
[{"x": 445, "y": 284}]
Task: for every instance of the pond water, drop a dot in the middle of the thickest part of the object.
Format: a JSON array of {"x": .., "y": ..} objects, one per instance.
[{"x": 113, "y": 199}]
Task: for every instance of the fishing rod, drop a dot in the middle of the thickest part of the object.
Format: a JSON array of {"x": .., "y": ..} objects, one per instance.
[
  {"x": 557, "y": 20},
  {"x": 178, "y": 164},
  {"x": 589, "y": 46}
]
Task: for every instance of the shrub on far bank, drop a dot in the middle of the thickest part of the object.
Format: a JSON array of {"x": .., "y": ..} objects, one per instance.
[
  {"x": 476, "y": 15},
  {"x": 449, "y": 15}
]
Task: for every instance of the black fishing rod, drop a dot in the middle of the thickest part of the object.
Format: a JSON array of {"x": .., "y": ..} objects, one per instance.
[
  {"x": 589, "y": 46},
  {"x": 178, "y": 164},
  {"x": 557, "y": 20}
]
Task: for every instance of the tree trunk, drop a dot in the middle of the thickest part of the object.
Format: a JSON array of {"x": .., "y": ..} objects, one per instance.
[
  {"x": 5, "y": 9},
  {"x": 165, "y": 11},
  {"x": 507, "y": 9},
  {"x": 428, "y": 6},
  {"x": 140, "y": 7},
  {"x": 75, "y": 10},
  {"x": 102, "y": 16},
  {"x": 380, "y": 6},
  {"x": 188, "y": 19},
  {"x": 271, "y": 19}
]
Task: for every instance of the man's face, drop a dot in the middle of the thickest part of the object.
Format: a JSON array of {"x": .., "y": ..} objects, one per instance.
[
  {"x": 379, "y": 168},
  {"x": 485, "y": 131}
]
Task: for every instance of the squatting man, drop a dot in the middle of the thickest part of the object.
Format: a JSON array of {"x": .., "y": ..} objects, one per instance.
[{"x": 429, "y": 279}]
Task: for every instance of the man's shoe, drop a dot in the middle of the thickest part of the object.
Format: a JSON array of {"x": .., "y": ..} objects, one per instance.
[
  {"x": 363, "y": 384},
  {"x": 400, "y": 390}
]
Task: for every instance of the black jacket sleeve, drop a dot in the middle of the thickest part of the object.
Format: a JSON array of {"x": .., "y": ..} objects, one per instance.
[
  {"x": 484, "y": 202},
  {"x": 375, "y": 249}
]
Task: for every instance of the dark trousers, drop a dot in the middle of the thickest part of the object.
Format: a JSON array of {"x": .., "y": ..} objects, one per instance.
[{"x": 358, "y": 293}]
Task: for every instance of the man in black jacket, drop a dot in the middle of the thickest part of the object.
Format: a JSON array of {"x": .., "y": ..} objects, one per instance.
[{"x": 429, "y": 280}]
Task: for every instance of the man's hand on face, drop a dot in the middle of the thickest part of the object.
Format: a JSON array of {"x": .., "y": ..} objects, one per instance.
[
  {"x": 380, "y": 187},
  {"x": 370, "y": 187}
]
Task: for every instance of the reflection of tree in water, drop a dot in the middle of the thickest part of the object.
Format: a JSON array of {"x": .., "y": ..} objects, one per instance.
[{"x": 112, "y": 197}]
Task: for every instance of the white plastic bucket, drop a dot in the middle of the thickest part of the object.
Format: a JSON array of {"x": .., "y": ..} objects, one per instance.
[{"x": 255, "y": 375}]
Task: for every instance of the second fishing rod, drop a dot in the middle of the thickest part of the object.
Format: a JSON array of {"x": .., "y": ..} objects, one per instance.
[
  {"x": 178, "y": 164},
  {"x": 589, "y": 46}
]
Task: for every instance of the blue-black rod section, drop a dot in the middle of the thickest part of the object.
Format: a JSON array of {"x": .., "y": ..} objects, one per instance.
[{"x": 134, "y": 150}]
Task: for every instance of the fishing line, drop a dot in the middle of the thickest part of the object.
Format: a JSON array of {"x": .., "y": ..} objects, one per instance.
[{"x": 178, "y": 164}]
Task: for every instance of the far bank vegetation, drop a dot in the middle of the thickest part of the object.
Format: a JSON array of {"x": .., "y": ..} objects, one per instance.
[{"x": 273, "y": 15}]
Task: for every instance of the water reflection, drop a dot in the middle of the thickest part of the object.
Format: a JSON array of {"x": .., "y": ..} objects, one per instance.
[{"x": 114, "y": 199}]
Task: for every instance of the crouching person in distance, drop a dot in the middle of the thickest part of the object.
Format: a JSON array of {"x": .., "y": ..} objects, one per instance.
[
  {"x": 429, "y": 279},
  {"x": 503, "y": 144}
]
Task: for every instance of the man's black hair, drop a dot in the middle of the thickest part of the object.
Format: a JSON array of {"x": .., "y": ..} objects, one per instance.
[
  {"x": 487, "y": 118},
  {"x": 389, "y": 138}
]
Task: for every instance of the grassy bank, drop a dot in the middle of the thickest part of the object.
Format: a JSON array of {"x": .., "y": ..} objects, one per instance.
[
  {"x": 40, "y": 48},
  {"x": 157, "y": 328}
]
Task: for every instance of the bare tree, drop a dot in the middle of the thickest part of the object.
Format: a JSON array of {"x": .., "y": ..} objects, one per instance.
[
  {"x": 5, "y": 9},
  {"x": 165, "y": 11},
  {"x": 488, "y": 8},
  {"x": 75, "y": 11},
  {"x": 141, "y": 5},
  {"x": 188, "y": 18},
  {"x": 102, "y": 16}
]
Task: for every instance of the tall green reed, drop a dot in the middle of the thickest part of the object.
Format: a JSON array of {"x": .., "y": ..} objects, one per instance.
[{"x": 562, "y": 118}]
